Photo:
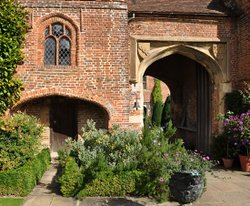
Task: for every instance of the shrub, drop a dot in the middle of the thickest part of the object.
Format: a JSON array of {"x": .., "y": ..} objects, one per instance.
[
  {"x": 120, "y": 184},
  {"x": 166, "y": 113},
  {"x": 120, "y": 147},
  {"x": 21, "y": 181},
  {"x": 72, "y": 178},
  {"x": 19, "y": 140},
  {"x": 13, "y": 27}
]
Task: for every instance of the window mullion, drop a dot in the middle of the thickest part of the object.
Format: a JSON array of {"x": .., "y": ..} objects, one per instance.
[{"x": 57, "y": 51}]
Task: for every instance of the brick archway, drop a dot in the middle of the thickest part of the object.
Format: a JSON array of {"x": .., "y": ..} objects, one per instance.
[{"x": 82, "y": 95}]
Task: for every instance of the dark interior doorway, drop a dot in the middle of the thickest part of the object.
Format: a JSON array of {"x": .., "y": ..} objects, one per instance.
[
  {"x": 63, "y": 121},
  {"x": 190, "y": 87}
]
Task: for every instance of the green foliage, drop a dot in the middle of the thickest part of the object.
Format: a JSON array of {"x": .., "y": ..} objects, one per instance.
[
  {"x": 234, "y": 102},
  {"x": 120, "y": 147},
  {"x": 21, "y": 181},
  {"x": 157, "y": 103},
  {"x": 238, "y": 101},
  {"x": 166, "y": 113},
  {"x": 123, "y": 162},
  {"x": 157, "y": 113},
  {"x": 155, "y": 143},
  {"x": 112, "y": 185},
  {"x": 156, "y": 93},
  {"x": 19, "y": 140},
  {"x": 13, "y": 28},
  {"x": 223, "y": 147},
  {"x": 72, "y": 178}
]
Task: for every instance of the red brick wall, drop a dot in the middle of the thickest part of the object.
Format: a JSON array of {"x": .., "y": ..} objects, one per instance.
[
  {"x": 99, "y": 70},
  {"x": 193, "y": 27},
  {"x": 244, "y": 42}
]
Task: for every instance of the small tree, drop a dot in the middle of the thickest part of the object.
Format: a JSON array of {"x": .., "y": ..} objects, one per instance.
[
  {"x": 157, "y": 103},
  {"x": 166, "y": 113},
  {"x": 13, "y": 28}
]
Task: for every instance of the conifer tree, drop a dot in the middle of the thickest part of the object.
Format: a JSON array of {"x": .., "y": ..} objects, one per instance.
[{"x": 157, "y": 104}]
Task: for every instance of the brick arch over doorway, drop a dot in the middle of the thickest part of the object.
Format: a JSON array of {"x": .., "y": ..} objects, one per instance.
[
  {"x": 63, "y": 115},
  {"x": 29, "y": 95}
]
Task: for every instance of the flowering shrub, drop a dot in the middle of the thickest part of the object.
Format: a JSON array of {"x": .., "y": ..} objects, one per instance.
[
  {"x": 124, "y": 162},
  {"x": 237, "y": 128}
]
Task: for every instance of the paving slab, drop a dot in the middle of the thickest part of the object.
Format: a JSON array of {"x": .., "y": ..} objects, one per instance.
[{"x": 224, "y": 187}]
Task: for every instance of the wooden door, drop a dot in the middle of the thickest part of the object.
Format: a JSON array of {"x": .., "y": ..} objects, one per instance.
[{"x": 63, "y": 122}]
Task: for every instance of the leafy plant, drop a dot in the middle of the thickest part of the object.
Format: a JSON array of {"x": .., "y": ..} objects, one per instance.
[
  {"x": 72, "y": 178},
  {"x": 13, "y": 27},
  {"x": 166, "y": 113},
  {"x": 237, "y": 128},
  {"x": 21, "y": 181},
  {"x": 19, "y": 140}
]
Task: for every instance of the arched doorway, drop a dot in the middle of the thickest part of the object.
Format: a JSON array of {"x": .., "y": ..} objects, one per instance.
[
  {"x": 63, "y": 117},
  {"x": 190, "y": 87}
]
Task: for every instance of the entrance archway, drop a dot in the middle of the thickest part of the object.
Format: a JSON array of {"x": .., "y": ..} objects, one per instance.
[
  {"x": 193, "y": 77},
  {"x": 190, "y": 88},
  {"x": 63, "y": 117}
]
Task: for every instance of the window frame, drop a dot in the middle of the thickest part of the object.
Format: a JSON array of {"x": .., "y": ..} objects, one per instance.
[
  {"x": 57, "y": 40},
  {"x": 40, "y": 36}
]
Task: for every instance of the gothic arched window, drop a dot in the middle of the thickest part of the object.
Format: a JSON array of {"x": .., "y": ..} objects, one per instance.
[{"x": 57, "y": 45}]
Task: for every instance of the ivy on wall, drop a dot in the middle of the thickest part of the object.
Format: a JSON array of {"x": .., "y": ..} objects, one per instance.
[{"x": 13, "y": 27}]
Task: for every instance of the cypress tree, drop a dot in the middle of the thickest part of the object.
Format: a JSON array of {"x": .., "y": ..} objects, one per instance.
[
  {"x": 166, "y": 113},
  {"x": 157, "y": 104}
]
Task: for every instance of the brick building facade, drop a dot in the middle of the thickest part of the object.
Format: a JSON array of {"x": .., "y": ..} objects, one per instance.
[{"x": 87, "y": 58}]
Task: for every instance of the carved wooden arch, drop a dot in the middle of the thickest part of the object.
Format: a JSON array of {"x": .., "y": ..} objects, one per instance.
[
  {"x": 81, "y": 95},
  {"x": 45, "y": 21},
  {"x": 195, "y": 53}
]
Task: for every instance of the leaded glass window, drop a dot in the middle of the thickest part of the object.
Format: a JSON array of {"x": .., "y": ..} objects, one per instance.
[
  {"x": 50, "y": 51},
  {"x": 57, "y": 45},
  {"x": 64, "y": 52}
]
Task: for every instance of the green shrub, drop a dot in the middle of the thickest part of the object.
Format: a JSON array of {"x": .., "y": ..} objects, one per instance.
[
  {"x": 13, "y": 27},
  {"x": 71, "y": 179},
  {"x": 166, "y": 113},
  {"x": 19, "y": 140},
  {"x": 21, "y": 181},
  {"x": 120, "y": 184},
  {"x": 120, "y": 147}
]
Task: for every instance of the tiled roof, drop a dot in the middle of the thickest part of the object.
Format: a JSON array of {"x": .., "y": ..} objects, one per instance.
[{"x": 177, "y": 6}]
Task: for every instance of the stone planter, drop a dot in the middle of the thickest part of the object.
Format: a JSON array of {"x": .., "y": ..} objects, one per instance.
[{"x": 186, "y": 186}]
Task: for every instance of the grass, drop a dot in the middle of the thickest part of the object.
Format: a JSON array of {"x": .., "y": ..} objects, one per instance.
[{"x": 11, "y": 201}]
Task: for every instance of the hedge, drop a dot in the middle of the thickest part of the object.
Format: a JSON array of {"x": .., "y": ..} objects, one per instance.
[
  {"x": 121, "y": 184},
  {"x": 21, "y": 181}
]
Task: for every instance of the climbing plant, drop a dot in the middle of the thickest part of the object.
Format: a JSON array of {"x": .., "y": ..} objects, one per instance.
[
  {"x": 13, "y": 27},
  {"x": 157, "y": 103}
]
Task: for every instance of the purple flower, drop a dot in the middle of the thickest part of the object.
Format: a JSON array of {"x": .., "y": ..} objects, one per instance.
[{"x": 241, "y": 123}]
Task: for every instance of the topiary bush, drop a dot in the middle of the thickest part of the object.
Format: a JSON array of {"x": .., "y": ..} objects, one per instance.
[
  {"x": 72, "y": 178},
  {"x": 121, "y": 184},
  {"x": 21, "y": 181},
  {"x": 19, "y": 140}
]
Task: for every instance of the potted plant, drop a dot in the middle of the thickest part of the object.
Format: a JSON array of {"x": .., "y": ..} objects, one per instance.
[
  {"x": 187, "y": 184},
  {"x": 224, "y": 152},
  {"x": 238, "y": 128}
]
